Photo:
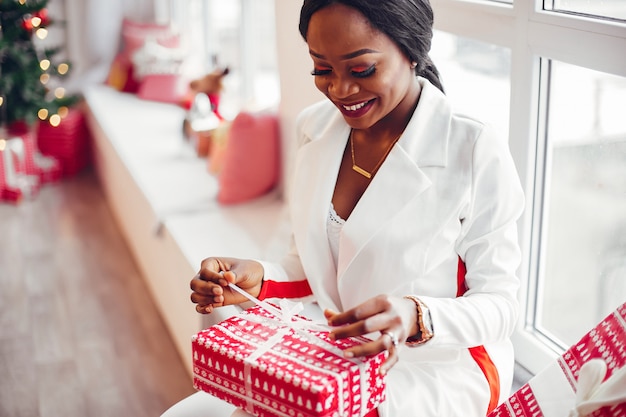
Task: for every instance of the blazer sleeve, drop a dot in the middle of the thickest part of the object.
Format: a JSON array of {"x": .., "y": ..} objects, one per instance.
[
  {"x": 287, "y": 278},
  {"x": 488, "y": 244}
]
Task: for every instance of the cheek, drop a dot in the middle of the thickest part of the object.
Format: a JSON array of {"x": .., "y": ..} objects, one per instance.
[
  {"x": 395, "y": 87},
  {"x": 321, "y": 85}
]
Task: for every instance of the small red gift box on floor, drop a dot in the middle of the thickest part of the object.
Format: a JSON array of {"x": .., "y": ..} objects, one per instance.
[
  {"x": 15, "y": 180},
  {"x": 276, "y": 367},
  {"x": 44, "y": 168},
  {"x": 559, "y": 389},
  {"x": 68, "y": 142}
]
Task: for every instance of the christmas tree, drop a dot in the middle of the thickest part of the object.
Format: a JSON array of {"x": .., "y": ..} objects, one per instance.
[{"x": 27, "y": 72}]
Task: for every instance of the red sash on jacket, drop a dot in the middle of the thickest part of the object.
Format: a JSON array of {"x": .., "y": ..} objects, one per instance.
[{"x": 479, "y": 353}]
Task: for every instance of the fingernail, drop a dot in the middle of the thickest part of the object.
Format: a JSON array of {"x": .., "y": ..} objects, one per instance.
[{"x": 348, "y": 355}]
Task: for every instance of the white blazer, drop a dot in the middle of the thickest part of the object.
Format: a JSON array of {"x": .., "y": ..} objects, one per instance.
[{"x": 448, "y": 189}]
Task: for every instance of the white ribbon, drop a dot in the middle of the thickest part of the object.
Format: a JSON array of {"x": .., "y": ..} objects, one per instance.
[
  {"x": 593, "y": 394},
  {"x": 288, "y": 319},
  {"x": 287, "y": 312},
  {"x": 13, "y": 178}
]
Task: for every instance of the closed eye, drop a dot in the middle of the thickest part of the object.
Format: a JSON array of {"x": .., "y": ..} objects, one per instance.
[{"x": 363, "y": 73}]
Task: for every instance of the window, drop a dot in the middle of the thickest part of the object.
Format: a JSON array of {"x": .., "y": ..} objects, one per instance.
[
  {"x": 238, "y": 34},
  {"x": 614, "y": 9},
  {"x": 475, "y": 77},
  {"x": 582, "y": 251},
  {"x": 551, "y": 74}
]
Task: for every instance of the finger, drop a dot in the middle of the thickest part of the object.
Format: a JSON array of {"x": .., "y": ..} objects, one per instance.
[
  {"x": 204, "y": 309},
  {"x": 390, "y": 341},
  {"x": 363, "y": 327},
  {"x": 209, "y": 275},
  {"x": 230, "y": 277},
  {"x": 205, "y": 287},
  {"x": 383, "y": 343},
  {"x": 391, "y": 360},
  {"x": 201, "y": 299},
  {"x": 373, "y": 347},
  {"x": 360, "y": 312}
]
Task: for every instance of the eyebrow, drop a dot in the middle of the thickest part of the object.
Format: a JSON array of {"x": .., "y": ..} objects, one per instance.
[{"x": 349, "y": 55}]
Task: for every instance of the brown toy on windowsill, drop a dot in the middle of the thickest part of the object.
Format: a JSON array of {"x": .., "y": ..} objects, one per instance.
[{"x": 203, "y": 115}]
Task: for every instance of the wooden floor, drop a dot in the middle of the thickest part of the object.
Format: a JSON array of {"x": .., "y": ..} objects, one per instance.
[{"x": 79, "y": 333}]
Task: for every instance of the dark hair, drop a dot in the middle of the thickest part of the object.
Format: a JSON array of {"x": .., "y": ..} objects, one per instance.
[{"x": 409, "y": 23}]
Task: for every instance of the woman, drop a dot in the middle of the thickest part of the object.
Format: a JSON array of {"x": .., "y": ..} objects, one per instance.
[{"x": 404, "y": 216}]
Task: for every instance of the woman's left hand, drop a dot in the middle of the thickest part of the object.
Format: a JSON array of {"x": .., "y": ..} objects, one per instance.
[{"x": 394, "y": 317}]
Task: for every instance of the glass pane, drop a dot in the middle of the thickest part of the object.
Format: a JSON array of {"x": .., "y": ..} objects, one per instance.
[
  {"x": 240, "y": 35},
  {"x": 475, "y": 76},
  {"x": 584, "y": 227},
  {"x": 613, "y": 9}
]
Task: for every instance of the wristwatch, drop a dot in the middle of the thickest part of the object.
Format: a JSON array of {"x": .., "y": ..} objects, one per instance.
[{"x": 424, "y": 323}]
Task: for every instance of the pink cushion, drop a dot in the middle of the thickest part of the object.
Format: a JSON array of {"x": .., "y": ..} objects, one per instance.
[
  {"x": 135, "y": 34},
  {"x": 122, "y": 74},
  {"x": 251, "y": 163},
  {"x": 166, "y": 88}
]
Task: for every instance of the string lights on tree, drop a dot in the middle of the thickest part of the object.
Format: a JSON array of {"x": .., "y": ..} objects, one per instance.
[{"x": 27, "y": 72}]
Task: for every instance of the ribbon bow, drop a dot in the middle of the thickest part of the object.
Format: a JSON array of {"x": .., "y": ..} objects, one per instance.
[
  {"x": 288, "y": 320},
  {"x": 592, "y": 393},
  {"x": 287, "y": 313}
]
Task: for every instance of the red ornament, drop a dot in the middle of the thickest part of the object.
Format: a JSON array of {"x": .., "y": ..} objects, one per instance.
[
  {"x": 27, "y": 23},
  {"x": 43, "y": 15}
]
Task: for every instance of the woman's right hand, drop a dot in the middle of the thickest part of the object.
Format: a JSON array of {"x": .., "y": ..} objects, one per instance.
[{"x": 210, "y": 285}]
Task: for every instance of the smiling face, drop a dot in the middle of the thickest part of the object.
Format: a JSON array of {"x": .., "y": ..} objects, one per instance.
[{"x": 360, "y": 69}]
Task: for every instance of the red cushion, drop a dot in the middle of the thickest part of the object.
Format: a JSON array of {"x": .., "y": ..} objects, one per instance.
[{"x": 251, "y": 164}]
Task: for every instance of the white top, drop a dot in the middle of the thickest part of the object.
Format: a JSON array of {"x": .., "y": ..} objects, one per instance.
[{"x": 334, "y": 226}]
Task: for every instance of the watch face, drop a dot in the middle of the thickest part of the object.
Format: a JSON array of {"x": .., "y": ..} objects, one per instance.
[{"x": 426, "y": 319}]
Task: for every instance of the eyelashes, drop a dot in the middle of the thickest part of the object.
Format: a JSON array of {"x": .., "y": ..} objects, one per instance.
[
  {"x": 359, "y": 72},
  {"x": 318, "y": 72},
  {"x": 364, "y": 73}
]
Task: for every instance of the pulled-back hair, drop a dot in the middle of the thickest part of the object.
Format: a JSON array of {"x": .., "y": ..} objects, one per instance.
[{"x": 408, "y": 23}]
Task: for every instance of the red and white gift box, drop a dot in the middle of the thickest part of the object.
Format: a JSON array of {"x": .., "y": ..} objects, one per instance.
[
  {"x": 46, "y": 169},
  {"x": 270, "y": 366},
  {"x": 68, "y": 142},
  {"x": 16, "y": 181},
  {"x": 588, "y": 379}
]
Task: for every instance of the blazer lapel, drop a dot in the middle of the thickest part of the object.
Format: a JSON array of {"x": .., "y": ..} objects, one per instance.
[
  {"x": 400, "y": 179},
  {"x": 318, "y": 164}
]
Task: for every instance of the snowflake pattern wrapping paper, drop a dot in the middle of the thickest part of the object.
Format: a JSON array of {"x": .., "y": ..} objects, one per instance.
[
  {"x": 269, "y": 367},
  {"x": 552, "y": 392}
]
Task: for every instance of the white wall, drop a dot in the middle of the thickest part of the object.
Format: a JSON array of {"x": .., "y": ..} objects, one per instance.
[{"x": 294, "y": 65}]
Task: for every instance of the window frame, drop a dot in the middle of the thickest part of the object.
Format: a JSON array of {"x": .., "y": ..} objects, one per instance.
[{"x": 534, "y": 36}]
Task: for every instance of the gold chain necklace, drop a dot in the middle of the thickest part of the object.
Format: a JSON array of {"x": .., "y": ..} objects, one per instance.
[{"x": 360, "y": 170}]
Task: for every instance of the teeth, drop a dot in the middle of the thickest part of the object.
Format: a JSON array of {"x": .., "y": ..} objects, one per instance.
[{"x": 355, "y": 107}]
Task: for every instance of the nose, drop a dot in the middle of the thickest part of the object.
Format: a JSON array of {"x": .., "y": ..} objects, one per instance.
[{"x": 342, "y": 87}]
